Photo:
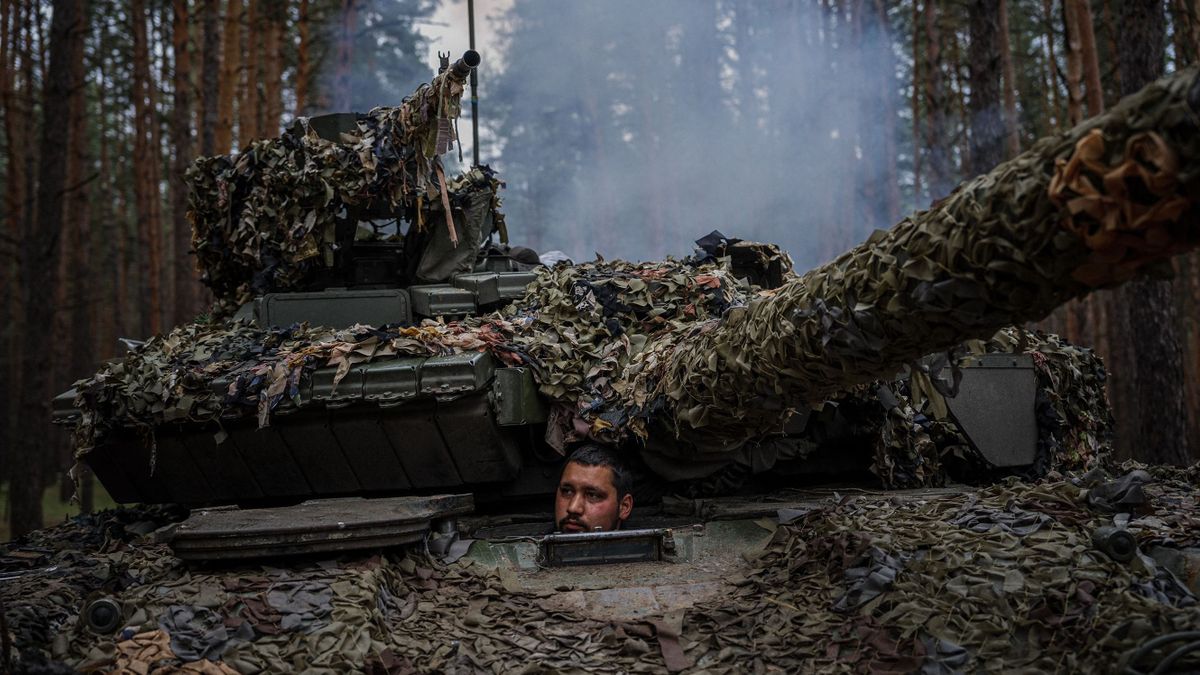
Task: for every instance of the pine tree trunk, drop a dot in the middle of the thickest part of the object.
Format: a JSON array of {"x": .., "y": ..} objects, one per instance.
[
  {"x": 959, "y": 96},
  {"x": 272, "y": 68},
  {"x": 882, "y": 39},
  {"x": 249, "y": 100},
  {"x": 917, "y": 82},
  {"x": 39, "y": 252},
  {"x": 1052, "y": 64},
  {"x": 81, "y": 296},
  {"x": 1161, "y": 434},
  {"x": 347, "y": 27},
  {"x": 145, "y": 160},
  {"x": 1074, "y": 63},
  {"x": 180, "y": 133},
  {"x": 13, "y": 200},
  {"x": 210, "y": 77},
  {"x": 1183, "y": 18},
  {"x": 230, "y": 72},
  {"x": 1110, "y": 25},
  {"x": 986, "y": 118},
  {"x": 1012, "y": 136},
  {"x": 1090, "y": 57},
  {"x": 302, "y": 60},
  {"x": 938, "y": 137}
]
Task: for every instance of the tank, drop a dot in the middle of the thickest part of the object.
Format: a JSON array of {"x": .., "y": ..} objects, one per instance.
[
  {"x": 371, "y": 336},
  {"x": 723, "y": 372}
]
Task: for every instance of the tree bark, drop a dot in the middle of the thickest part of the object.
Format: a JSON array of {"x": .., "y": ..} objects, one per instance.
[
  {"x": 1094, "y": 92},
  {"x": 938, "y": 137},
  {"x": 14, "y": 198},
  {"x": 210, "y": 77},
  {"x": 916, "y": 103},
  {"x": 986, "y": 118},
  {"x": 230, "y": 72},
  {"x": 1012, "y": 135},
  {"x": 145, "y": 160},
  {"x": 249, "y": 100},
  {"x": 39, "y": 250},
  {"x": 81, "y": 297},
  {"x": 958, "y": 93},
  {"x": 1161, "y": 433},
  {"x": 272, "y": 67},
  {"x": 1052, "y": 64},
  {"x": 1074, "y": 62},
  {"x": 180, "y": 134},
  {"x": 302, "y": 60},
  {"x": 347, "y": 27}
]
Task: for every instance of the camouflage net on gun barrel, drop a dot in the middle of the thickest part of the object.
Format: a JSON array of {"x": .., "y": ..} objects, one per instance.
[{"x": 1085, "y": 208}]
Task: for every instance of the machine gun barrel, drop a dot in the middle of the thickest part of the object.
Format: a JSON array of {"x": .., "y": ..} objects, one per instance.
[{"x": 461, "y": 69}]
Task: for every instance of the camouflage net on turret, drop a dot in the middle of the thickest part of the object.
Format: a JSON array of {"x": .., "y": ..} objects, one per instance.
[{"x": 263, "y": 219}]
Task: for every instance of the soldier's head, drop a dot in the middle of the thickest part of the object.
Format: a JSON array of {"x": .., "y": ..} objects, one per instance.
[{"x": 594, "y": 492}]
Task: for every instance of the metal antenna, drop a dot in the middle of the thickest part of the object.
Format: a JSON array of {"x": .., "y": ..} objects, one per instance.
[{"x": 474, "y": 86}]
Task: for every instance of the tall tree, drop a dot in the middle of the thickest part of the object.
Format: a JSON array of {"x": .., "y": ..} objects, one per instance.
[
  {"x": 180, "y": 134},
  {"x": 1012, "y": 135},
  {"x": 1152, "y": 315},
  {"x": 210, "y": 75},
  {"x": 937, "y": 131},
  {"x": 274, "y": 16},
  {"x": 249, "y": 99},
  {"x": 303, "y": 63},
  {"x": 1094, "y": 92},
  {"x": 39, "y": 250},
  {"x": 986, "y": 112},
  {"x": 146, "y": 162},
  {"x": 347, "y": 30},
  {"x": 231, "y": 70}
]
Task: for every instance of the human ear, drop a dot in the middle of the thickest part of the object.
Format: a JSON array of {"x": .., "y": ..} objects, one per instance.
[{"x": 626, "y": 507}]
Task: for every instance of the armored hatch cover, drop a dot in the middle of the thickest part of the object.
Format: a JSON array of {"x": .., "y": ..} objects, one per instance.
[{"x": 319, "y": 526}]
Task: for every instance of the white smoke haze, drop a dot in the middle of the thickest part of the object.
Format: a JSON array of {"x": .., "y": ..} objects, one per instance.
[{"x": 631, "y": 128}]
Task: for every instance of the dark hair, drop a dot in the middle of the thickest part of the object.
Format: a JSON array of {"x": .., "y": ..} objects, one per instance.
[{"x": 599, "y": 455}]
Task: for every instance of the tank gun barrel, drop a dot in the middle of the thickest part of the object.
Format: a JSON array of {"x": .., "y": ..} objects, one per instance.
[{"x": 1087, "y": 208}]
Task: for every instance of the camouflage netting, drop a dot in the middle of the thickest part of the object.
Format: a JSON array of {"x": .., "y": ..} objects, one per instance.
[
  {"x": 1002, "y": 580},
  {"x": 579, "y": 327},
  {"x": 264, "y": 219},
  {"x": 1085, "y": 208},
  {"x": 685, "y": 350}
]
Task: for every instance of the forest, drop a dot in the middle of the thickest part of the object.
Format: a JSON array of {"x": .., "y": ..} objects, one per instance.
[{"x": 622, "y": 128}]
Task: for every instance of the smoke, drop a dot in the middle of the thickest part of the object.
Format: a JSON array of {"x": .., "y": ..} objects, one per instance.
[{"x": 631, "y": 128}]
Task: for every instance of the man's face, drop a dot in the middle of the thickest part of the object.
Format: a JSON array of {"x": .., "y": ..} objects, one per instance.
[{"x": 587, "y": 500}]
